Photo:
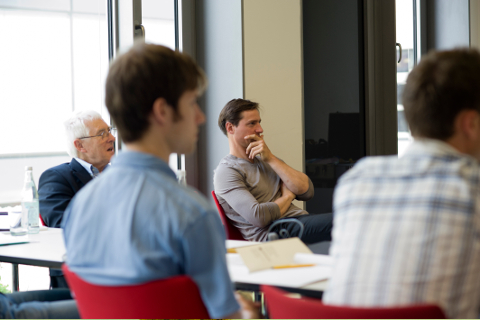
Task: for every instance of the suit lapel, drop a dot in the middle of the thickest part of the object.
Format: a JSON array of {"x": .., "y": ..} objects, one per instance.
[{"x": 79, "y": 172}]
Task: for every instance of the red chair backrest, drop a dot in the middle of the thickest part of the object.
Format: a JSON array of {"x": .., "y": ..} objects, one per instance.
[
  {"x": 41, "y": 220},
  {"x": 171, "y": 298},
  {"x": 232, "y": 232},
  {"x": 280, "y": 306}
]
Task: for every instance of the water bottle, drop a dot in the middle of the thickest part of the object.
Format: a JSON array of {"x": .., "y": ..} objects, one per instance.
[
  {"x": 30, "y": 212},
  {"x": 182, "y": 177}
]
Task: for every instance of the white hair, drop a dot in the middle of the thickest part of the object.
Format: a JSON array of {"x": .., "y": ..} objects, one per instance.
[{"x": 75, "y": 128}]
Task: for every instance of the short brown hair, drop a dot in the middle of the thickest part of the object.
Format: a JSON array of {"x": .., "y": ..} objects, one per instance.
[
  {"x": 232, "y": 112},
  {"x": 140, "y": 76},
  {"x": 442, "y": 85}
]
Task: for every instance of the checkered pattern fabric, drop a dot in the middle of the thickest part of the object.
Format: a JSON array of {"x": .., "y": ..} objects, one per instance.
[{"x": 407, "y": 230}]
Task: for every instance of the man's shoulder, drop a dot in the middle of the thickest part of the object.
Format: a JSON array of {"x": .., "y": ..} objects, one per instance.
[
  {"x": 61, "y": 167},
  {"x": 58, "y": 170},
  {"x": 228, "y": 161},
  {"x": 369, "y": 166},
  {"x": 161, "y": 190},
  {"x": 418, "y": 169},
  {"x": 227, "y": 164}
]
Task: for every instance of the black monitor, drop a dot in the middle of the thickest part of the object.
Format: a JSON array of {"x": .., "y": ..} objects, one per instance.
[{"x": 344, "y": 136}]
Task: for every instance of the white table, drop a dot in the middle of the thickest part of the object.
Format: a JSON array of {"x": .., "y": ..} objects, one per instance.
[
  {"x": 45, "y": 249},
  {"x": 314, "y": 289}
]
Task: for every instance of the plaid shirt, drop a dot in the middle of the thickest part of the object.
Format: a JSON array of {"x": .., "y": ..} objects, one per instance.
[{"x": 407, "y": 231}]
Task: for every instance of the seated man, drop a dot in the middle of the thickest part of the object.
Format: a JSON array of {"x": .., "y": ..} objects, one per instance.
[
  {"x": 135, "y": 223},
  {"x": 91, "y": 146},
  {"x": 406, "y": 229},
  {"x": 255, "y": 188},
  {"x": 44, "y": 304}
]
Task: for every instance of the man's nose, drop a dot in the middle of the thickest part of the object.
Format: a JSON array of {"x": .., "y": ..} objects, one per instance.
[
  {"x": 200, "y": 115},
  {"x": 259, "y": 128}
]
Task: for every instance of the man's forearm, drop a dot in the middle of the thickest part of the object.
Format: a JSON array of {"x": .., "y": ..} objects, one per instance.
[
  {"x": 296, "y": 181},
  {"x": 284, "y": 202}
]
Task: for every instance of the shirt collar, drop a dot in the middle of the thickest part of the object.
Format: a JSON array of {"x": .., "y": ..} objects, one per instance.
[
  {"x": 86, "y": 165},
  {"x": 433, "y": 146}
]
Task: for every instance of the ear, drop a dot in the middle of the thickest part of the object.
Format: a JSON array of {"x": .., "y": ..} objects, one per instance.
[
  {"x": 469, "y": 122},
  {"x": 79, "y": 145},
  {"x": 161, "y": 112},
  {"x": 230, "y": 128}
]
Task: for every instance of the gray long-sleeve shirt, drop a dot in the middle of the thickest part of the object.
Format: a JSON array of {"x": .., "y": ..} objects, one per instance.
[{"x": 247, "y": 192}]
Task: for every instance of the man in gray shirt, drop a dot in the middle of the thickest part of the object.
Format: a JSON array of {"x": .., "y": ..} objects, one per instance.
[{"x": 255, "y": 188}]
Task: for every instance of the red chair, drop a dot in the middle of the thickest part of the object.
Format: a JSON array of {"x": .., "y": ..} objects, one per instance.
[
  {"x": 232, "y": 232},
  {"x": 41, "y": 220},
  {"x": 172, "y": 298},
  {"x": 280, "y": 306}
]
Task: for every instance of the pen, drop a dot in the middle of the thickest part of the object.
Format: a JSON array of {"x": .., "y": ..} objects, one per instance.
[
  {"x": 231, "y": 250},
  {"x": 293, "y": 266}
]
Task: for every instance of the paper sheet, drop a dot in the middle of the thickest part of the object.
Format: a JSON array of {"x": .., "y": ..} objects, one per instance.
[
  {"x": 240, "y": 243},
  {"x": 294, "y": 277},
  {"x": 272, "y": 254},
  {"x": 319, "y": 259}
]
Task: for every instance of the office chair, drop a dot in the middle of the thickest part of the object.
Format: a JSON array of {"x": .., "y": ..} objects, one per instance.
[
  {"x": 231, "y": 231},
  {"x": 42, "y": 223},
  {"x": 280, "y": 306},
  {"x": 171, "y": 298}
]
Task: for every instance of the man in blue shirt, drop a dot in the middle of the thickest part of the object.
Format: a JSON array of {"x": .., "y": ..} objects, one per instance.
[{"x": 135, "y": 223}]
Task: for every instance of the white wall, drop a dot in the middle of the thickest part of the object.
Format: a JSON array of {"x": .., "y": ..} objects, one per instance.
[
  {"x": 219, "y": 52},
  {"x": 273, "y": 73}
]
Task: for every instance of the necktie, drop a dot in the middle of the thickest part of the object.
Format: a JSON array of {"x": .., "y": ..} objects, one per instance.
[{"x": 95, "y": 171}]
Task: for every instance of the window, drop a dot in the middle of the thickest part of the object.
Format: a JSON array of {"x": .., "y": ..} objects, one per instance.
[
  {"x": 54, "y": 61},
  {"x": 56, "y": 64},
  {"x": 406, "y": 13},
  {"x": 158, "y": 18}
]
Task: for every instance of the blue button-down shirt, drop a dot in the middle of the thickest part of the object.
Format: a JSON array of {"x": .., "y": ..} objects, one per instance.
[
  {"x": 135, "y": 223},
  {"x": 90, "y": 168}
]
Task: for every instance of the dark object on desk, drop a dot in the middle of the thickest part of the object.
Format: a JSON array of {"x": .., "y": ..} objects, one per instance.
[
  {"x": 320, "y": 247},
  {"x": 4, "y": 226},
  {"x": 171, "y": 298},
  {"x": 281, "y": 306}
]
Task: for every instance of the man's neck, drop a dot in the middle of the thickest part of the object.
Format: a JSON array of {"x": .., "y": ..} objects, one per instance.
[
  {"x": 99, "y": 167},
  {"x": 238, "y": 151},
  {"x": 463, "y": 145},
  {"x": 144, "y": 147}
]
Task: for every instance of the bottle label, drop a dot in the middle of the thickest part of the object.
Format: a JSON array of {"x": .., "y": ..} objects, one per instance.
[{"x": 32, "y": 212}]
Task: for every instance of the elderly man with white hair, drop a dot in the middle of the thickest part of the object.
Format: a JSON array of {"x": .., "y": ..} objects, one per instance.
[{"x": 91, "y": 145}]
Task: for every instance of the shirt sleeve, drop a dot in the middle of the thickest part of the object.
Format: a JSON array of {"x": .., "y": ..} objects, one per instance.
[
  {"x": 231, "y": 186},
  {"x": 205, "y": 262},
  {"x": 308, "y": 194}
]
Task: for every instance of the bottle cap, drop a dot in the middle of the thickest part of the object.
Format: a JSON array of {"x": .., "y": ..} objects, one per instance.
[
  {"x": 28, "y": 168},
  {"x": 181, "y": 174}
]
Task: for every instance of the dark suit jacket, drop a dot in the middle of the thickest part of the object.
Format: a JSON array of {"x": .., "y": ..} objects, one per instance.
[{"x": 56, "y": 188}]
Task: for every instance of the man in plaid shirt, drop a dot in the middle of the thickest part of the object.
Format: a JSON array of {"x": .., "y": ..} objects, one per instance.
[{"x": 407, "y": 230}]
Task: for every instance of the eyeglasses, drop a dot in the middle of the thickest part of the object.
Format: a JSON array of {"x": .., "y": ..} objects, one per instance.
[{"x": 103, "y": 134}]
